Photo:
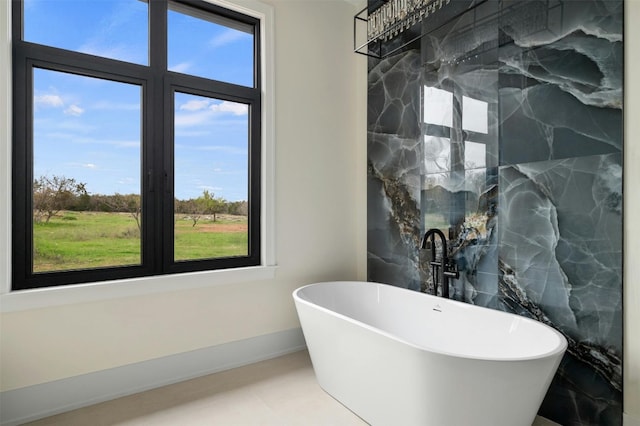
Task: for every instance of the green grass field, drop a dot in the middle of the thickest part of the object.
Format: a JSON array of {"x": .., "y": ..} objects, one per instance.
[{"x": 82, "y": 240}]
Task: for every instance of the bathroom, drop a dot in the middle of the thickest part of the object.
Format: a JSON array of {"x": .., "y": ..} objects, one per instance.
[{"x": 320, "y": 161}]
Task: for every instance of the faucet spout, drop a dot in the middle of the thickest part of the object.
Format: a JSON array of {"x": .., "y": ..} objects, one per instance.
[{"x": 431, "y": 233}]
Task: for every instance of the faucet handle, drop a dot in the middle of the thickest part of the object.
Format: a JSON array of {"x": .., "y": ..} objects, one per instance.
[{"x": 450, "y": 269}]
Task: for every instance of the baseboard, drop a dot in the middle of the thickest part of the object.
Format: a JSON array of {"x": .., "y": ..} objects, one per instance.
[
  {"x": 627, "y": 420},
  {"x": 35, "y": 402}
]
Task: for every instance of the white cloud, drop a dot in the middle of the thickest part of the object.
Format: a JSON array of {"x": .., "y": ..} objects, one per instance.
[
  {"x": 232, "y": 107},
  {"x": 199, "y": 112},
  {"x": 49, "y": 101},
  {"x": 55, "y": 101},
  {"x": 89, "y": 166},
  {"x": 192, "y": 119},
  {"x": 74, "y": 110},
  {"x": 228, "y": 37},
  {"x": 182, "y": 67},
  {"x": 195, "y": 105}
]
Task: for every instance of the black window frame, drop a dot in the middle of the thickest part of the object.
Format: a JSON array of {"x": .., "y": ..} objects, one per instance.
[{"x": 158, "y": 88}]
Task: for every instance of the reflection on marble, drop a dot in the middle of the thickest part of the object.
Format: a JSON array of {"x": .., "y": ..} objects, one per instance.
[{"x": 535, "y": 203}]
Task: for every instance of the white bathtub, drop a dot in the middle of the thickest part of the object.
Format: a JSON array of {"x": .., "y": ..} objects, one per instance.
[{"x": 399, "y": 357}]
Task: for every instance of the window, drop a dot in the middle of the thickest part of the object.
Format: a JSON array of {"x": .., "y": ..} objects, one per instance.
[
  {"x": 137, "y": 140},
  {"x": 459, "y": 165},
  {"x": 448, "y": 129}
]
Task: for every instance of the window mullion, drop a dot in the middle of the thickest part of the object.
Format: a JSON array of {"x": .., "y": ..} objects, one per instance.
[
  {"x": 155, "y": 140},
  {"x": 22, "y": 171}
]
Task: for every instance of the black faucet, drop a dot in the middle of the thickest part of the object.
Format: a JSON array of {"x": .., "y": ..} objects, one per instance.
[{"x": 442, "y": 270}]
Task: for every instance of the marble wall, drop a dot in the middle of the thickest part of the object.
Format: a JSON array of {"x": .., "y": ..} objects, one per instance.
[{"x": 503, "y": 124}]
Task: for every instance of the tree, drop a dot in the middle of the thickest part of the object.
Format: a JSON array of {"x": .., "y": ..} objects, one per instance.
[
  {"x": 193, "y": 209},
  {"x": 129, "y": 203},
  {"x": 204, "y": 204},
  {"x": 240, "y": 208},
  {"x": 216, "y": 205},
  {"x": 51, "y": 194}
]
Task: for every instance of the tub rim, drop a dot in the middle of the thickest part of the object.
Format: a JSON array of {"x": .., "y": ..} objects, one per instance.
[{"x": 558, "y": 350}]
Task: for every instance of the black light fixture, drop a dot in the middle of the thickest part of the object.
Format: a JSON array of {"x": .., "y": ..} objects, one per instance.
[{"x": 381, "y": 30}]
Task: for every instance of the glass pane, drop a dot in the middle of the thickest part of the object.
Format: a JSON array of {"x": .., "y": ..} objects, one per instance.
[
  {"x": 475, "y": 155},
  {"x": 86, "y": 162},
  {"x": 437, "y": 154},
  {"x": 438, "y": 106},
  {"x": 116, "y": 29},
  {"x": 211, "y": 178},
  {"x": 475, "y": 115},
  {"x": 209, "y": 46}
]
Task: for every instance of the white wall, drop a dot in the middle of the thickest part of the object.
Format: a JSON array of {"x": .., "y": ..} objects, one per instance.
[
  {"x": 320, "y": 202},
  {"x": 632, "y": 215}
]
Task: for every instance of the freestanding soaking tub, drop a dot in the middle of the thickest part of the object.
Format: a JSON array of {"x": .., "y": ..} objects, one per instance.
[{"x": 399, "y": 357}]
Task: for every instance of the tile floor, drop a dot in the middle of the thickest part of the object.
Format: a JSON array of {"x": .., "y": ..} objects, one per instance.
[{"x": 280, "y": 391}]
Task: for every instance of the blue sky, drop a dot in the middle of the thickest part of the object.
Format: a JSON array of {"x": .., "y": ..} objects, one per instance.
[{"x": 90, "y": 129}]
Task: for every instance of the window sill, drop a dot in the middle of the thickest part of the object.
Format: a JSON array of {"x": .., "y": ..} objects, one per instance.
[{"x": 71, "y": 294}]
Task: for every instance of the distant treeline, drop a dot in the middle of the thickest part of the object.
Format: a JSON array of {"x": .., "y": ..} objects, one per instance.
[
  {"x": 125, "y": 203},
  {"x": 52, "y": 194}
]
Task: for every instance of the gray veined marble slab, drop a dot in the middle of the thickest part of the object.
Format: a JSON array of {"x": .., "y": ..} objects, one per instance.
[{"x": 532, "y": 190}]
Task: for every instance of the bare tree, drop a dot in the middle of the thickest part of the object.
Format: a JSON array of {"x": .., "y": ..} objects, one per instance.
[
  {"x": 129, "y": 203},
  {"x": 194, "y": 210},
  {"x": 51, "y": 194}
]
